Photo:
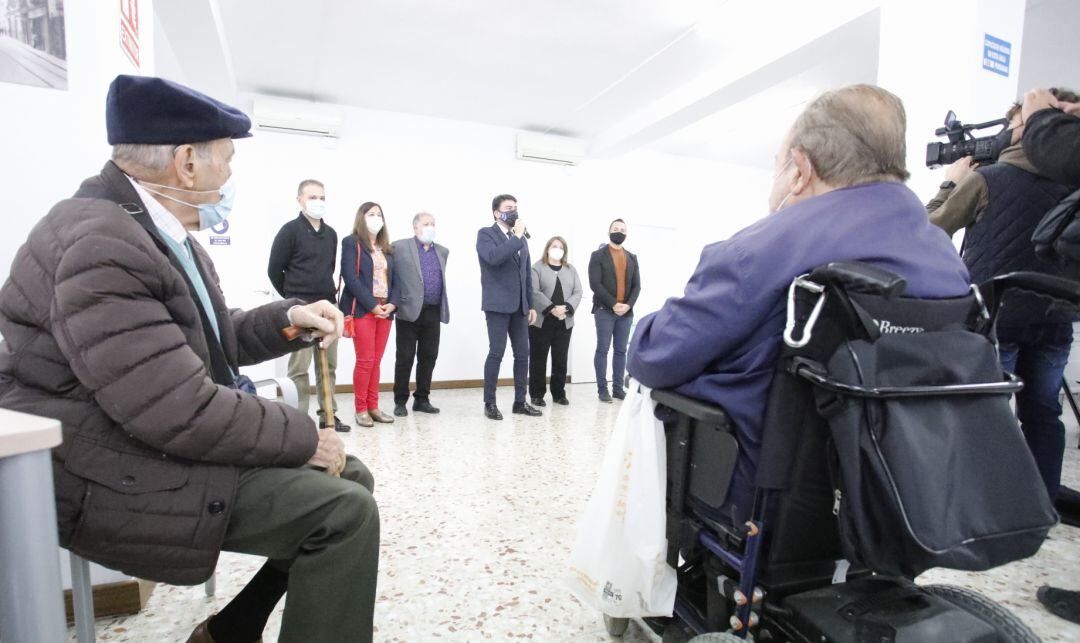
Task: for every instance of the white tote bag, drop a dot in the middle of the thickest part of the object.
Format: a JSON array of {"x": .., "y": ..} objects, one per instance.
[{"x": 619, "y": 562}]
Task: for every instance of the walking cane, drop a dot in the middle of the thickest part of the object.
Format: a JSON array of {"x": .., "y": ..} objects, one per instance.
[{"x": 326, "y": 421}]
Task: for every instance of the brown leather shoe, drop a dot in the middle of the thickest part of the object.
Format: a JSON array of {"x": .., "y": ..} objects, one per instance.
[
  {"x": 363, "y": 418},
  {"x": 379, "y": 416},
  {"x": 201, "y": 634}
]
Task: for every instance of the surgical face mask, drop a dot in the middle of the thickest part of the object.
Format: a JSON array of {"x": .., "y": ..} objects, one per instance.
[
  {"x": 374, "y": 223},
  {"x": 556, "y": 254},
  {"x": 210, "y": 214},
  {"x": 315, "y": 208},
  {"x": 617, "y": 237},
  {"x": 509, "y": 218},
  {"x": 427, "y": 234}
]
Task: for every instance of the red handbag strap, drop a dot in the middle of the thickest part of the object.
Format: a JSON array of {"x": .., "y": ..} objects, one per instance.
[{"x": 341, "y": 281}]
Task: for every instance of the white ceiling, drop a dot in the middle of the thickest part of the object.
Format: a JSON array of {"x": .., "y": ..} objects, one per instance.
[
  {"x": 719, "y": 79},
  {"x": 524, "y": 64},
  {"x": 560, "y": 66}
]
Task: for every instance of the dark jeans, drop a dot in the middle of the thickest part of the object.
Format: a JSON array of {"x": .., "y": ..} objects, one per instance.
[
  {"x": 499, "y": 326},
  {"x": 553, "y": 336},
  {"x": 420, "y": 340},
  {"x": 1038, "y": 354},
  {"x": 611, "y": 328}
]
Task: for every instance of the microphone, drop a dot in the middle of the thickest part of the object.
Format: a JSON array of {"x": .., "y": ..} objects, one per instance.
[{"x": 527, "y": 235}]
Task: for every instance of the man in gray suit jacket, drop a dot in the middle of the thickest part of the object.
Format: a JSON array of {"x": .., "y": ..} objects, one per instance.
[{"x": 420, "y": 278}]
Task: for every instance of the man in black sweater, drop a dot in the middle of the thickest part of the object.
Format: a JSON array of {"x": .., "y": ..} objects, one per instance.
[
  {"x": 1052, "y": 136},
  {"x": 1052, "y": 141},
  {"x": 302, "y": 262}
]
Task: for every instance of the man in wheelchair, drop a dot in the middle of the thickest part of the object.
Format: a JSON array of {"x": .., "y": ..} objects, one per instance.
[
  {"x": 863, "y": 421},
  {"x": 838, "y": 195}
]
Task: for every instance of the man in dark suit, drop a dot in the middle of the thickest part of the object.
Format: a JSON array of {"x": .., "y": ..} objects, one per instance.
[
  {"x": 506, "y": 300},
  {"x": 420, "y": 283}
]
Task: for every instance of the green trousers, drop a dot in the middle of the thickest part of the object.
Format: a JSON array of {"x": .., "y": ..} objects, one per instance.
[{"x": 325, "y": 532}]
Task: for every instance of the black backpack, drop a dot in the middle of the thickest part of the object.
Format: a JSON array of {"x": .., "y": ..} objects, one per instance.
[
  {"x": 927, "y": 462},
  {"x": 1057, "y": 237}
]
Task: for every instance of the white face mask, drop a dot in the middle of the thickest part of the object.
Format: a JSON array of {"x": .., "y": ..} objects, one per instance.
[
  {"x": 427, "y": 234},
  {"x": 374, "y": 223},
  {"x": 556, "y": 254},
  {"x": 315, "y": 208}
]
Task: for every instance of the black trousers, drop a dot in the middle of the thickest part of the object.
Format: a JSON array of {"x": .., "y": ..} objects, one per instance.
[
  {"x": 499, "y": 327},
  {"x": 419, "y": 340},
  {"x": 553, "y": 337}
]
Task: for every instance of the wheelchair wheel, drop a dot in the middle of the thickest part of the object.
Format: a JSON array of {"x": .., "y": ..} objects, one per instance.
[
  {"x": 1009, "y": 627},
  {"x": 616, "y": 626}
]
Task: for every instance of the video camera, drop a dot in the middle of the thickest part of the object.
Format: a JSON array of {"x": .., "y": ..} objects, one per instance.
[{"x": 982, "y": 150}]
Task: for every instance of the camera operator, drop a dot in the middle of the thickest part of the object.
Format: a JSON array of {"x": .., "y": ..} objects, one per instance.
[
  {"x": 1052, "y": 141},
  {"x": 1000, "y": 205}
]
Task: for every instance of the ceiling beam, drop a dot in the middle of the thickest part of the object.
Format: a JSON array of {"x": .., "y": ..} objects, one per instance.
[
  {"x": 720, "y": 89},
  {"x": 195, "y": 33}
]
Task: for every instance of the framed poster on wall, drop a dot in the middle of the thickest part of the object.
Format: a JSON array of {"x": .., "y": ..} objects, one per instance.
[{"x": 33, "y": 43}]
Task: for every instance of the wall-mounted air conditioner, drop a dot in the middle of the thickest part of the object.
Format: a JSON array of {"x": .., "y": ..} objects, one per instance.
[
  {"x": 296, "y": 117},
  {"x": 546, "y": 148}
]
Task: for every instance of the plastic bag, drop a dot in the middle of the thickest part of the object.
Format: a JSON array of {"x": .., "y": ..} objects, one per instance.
[{"x": 619, "y": 562}]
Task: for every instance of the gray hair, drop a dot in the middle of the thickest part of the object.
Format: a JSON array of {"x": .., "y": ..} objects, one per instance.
[
  {"x": 854, "y": 135},
  {"x": 155, "y": 158},
  {"x": 420, "y": 215}
]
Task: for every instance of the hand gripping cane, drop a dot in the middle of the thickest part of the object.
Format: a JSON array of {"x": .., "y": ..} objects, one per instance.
[{"x": 326, "y": 419}]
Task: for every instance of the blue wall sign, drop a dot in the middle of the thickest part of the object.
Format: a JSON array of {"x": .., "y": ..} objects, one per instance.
[{"x": 996, "y": 55}]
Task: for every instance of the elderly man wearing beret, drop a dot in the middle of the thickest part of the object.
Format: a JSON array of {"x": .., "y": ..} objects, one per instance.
[{"x": 113, "y": 322}]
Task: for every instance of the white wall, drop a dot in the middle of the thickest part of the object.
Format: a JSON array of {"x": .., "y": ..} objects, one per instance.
[
  {"x": 1051, "y": 48},
  {"x": 935, "y": 74},
  {"x": 53, "y": 139},
  {"x": 453, "y": 169}
]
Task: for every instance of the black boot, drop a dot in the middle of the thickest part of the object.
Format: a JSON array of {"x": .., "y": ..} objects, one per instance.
[{"x": 1061, "y": 602}]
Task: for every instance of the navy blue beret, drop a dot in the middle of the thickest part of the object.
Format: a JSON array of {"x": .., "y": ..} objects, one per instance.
[{"x": 148, "y": 110}]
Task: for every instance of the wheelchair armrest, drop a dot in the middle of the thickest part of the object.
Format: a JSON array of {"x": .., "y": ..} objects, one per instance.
[
  {"x": 700, "y": 411},
  {"x": 1065, "y": 290},
  {"x": 860, "y": 277}
]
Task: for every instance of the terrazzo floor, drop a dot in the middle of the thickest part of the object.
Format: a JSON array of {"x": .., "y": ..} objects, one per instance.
[{"x": 477, "y": 520}]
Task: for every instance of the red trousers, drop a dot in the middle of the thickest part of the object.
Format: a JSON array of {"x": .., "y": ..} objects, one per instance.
[{"x": 369, "y": 344}]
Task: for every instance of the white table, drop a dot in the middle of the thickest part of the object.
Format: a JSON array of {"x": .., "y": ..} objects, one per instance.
[{"x": 31, "y": 601}]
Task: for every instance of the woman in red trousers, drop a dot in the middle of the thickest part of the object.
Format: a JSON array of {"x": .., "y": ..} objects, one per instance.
[{"x": 366, "y": 267}]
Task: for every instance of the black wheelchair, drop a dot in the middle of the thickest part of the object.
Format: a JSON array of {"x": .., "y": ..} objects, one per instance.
[{"x": 889, "y": 447}]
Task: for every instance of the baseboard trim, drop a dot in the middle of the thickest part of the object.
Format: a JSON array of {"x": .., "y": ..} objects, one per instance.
[{"x": 113, "y": 599}]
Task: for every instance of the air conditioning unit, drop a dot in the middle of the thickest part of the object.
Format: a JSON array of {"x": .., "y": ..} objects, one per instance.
[
  {"x": 546, "y": 148},
  {"x": 296, "y": 117}
]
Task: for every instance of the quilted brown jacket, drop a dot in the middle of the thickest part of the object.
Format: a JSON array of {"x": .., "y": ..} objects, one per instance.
[{"x": 101, "y": 330}]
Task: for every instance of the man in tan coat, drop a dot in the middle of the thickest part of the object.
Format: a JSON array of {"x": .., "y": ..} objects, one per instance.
[{"x": 113, "y": 322}]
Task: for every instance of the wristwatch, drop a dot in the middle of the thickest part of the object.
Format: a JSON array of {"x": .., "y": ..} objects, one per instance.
[{"x": 947, "y": 185}]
